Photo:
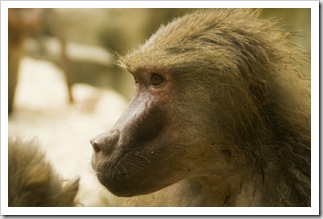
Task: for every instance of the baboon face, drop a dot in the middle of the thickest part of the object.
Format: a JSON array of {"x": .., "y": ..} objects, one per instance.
[
  {"x": 153, "y": 144},
  {"x": 174, "y": 128}
]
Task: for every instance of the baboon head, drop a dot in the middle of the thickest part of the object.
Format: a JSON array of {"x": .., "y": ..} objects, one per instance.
[{"x": 202, "y": 91}]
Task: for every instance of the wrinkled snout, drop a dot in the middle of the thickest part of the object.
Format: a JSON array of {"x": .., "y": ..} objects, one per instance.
[{"x": 105, "y": 142}]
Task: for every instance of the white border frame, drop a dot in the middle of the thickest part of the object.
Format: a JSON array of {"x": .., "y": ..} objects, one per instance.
[{"x": 314, "y": 210}]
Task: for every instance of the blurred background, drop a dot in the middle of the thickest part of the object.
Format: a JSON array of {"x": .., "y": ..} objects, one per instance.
[{"x": 64, "y": 87}]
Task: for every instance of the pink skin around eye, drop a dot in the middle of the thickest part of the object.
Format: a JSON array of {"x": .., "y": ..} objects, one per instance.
[{"x": 160, "y": 91}]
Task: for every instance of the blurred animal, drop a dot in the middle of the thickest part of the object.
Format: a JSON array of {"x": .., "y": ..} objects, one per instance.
[
  {"x": 22, "y": 23},
  {"x": 32, "y": 180},
  {"x": 221, "y": 117}
]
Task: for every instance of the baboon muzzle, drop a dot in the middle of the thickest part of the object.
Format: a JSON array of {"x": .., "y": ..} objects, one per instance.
[{"x": 105, "y": 142}]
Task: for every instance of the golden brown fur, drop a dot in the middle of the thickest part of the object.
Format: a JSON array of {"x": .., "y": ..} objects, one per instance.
[{"x": 33, "y": 182}]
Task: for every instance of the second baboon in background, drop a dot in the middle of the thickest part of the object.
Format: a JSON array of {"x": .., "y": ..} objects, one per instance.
[{"x": 32, "y": 181}]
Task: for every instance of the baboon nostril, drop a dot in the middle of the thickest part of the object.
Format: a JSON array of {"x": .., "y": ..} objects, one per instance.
[
  {"x": 105, "y": 142},
  {"x": 96, "y": 147}
]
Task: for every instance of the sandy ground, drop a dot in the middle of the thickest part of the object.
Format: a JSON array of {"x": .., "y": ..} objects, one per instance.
[{"x": 42, "y": 112}]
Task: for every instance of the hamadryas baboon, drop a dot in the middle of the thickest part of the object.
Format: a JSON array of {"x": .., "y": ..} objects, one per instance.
[{"x": 221, "y": 116}]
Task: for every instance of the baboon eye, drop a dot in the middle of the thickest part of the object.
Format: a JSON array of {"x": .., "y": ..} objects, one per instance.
[{"x": 156, "y": 79}]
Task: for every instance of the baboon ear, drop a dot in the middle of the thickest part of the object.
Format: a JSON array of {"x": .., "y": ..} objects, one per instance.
[
  {"x": 258, "y": 91},
  {"x": 71, "y": 188}
]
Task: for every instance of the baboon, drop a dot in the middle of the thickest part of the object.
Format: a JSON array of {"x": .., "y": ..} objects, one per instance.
[
  {"x": 221, "y": 116},
  {"x": 33, "y": 182}
]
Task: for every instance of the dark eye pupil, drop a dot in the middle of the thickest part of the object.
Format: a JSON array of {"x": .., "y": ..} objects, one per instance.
[{"x": 156, "y": 79}]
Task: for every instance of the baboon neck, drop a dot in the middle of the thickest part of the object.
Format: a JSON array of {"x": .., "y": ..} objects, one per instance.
[{"x": 230, "y": 191}]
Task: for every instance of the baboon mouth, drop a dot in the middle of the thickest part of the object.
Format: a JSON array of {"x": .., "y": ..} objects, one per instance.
[{"x": 120, "y": 184}]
